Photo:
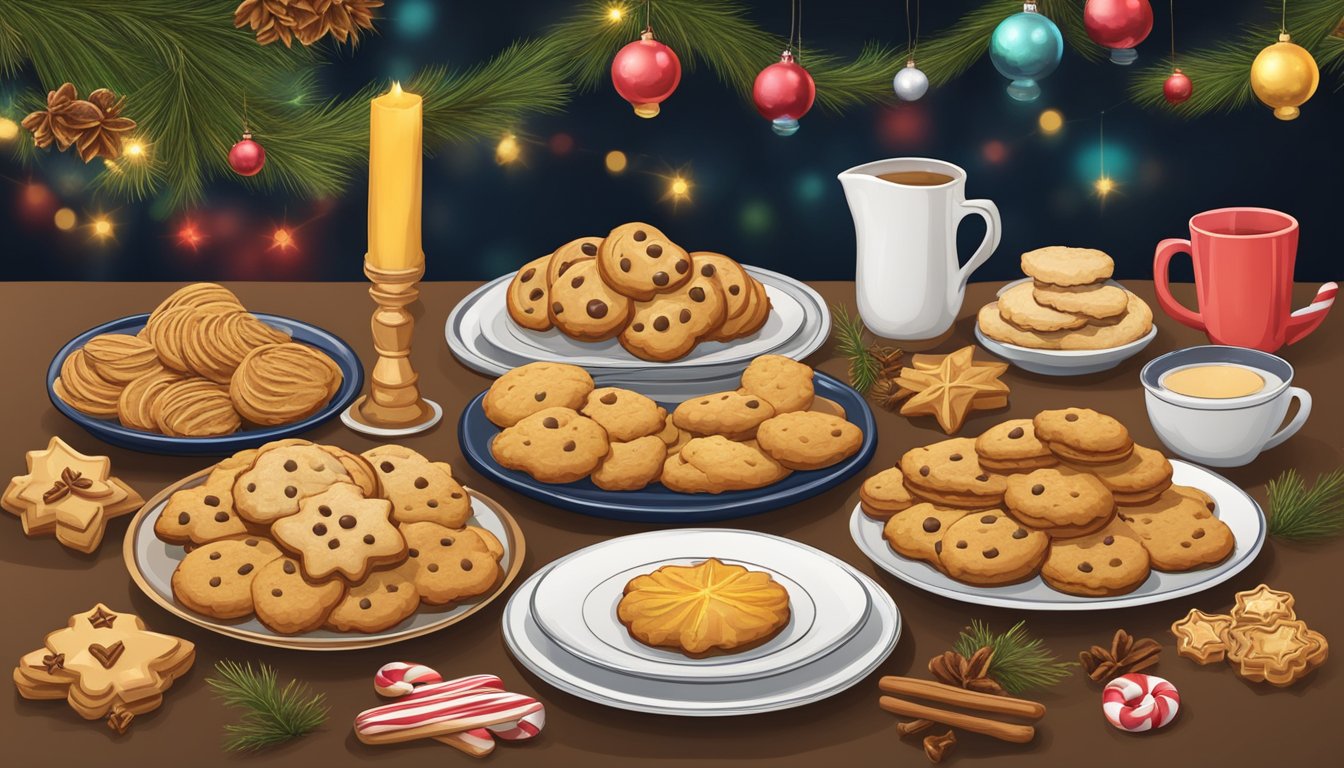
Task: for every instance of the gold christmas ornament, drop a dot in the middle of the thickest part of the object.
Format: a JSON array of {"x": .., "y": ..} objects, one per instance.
[{"x": 1284, "y": 76}]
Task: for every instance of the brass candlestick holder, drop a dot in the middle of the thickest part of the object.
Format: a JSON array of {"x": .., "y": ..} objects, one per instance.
[{"x": 393, "y": 405}]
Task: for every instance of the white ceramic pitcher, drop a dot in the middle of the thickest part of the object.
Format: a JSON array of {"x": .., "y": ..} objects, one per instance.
[{"x": 908, "y": 280}]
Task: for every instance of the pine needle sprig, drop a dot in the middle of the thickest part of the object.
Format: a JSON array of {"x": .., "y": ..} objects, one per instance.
[
  {"x": 272, "y": 714},
  {"x": 1020, "y": 662},
  {"x": 1302, "y": 514},
  {"x": 864, "y": 367}
]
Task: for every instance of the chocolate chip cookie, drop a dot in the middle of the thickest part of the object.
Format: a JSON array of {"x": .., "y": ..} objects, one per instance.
[
  {"x": 638, "y": 260},
  {"x": 452, "y": 565},
  {"x": 783, "y": 382},
  {"x": 1179, "y": 532},
  {"x": 1058, "y": 500},
  {"x": 582, "y": 249},
  {"x": 631, "y": 465},
  {"x": 669, "y": 325},
  {"x": 1111, "y": 561},
  {"x": 382, "y": 601},
  {"x": 288, "y": 603},
  {"x": 340, "y": 533},
  {"x": 735, "y": 415},
  {"x": 215, "y": 579},
  {"x": 1139, "y": 479},
  {"x": 989, "y": 548},
  {"x": 583, "y": 307},
  {"x": 949, "y": 473},
  {"x": 1083, "y": 435},
  {"x": 884, "y": 494},
  {"x": 556, "y": 445},
  {"x": 624, "y": 414},
  {"x": 917, "y": 532},
  {"x": 1013, "y": 447},
  {"x": 808, "y": 440},
  {"x": 527, "y": 295},
  {"x": 534, "y": 387}
]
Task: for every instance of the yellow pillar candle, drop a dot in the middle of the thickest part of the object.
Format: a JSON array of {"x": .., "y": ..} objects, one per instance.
[{"x": 395, "y": 152}]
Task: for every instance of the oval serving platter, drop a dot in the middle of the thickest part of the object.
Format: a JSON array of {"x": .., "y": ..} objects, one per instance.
[{"x": 151, "y": 563}]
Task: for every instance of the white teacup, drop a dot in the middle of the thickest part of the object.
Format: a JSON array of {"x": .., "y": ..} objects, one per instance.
[{"x": 1223, "y": 415}]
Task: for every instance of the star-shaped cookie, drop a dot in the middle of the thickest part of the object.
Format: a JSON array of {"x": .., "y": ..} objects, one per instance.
[
  {"x": 952, "y": 387},
  {"x": 1263, "y": 605},
  {"x": 1202, "y": 636},
  {"x": 106, "y": 665},
  {"x": 1277, "y": 653},
  {"x": 70, "y": 494},
  {"x": 338, "y": 531}
]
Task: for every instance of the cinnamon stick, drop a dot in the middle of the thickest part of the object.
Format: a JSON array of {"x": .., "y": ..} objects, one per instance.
[
  {"x": 960, "y": 697},
  {"x": 1012, "y": 732}
]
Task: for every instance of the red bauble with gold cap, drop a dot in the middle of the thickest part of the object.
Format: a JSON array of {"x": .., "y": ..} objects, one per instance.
[{"x": 645, "y": 73}]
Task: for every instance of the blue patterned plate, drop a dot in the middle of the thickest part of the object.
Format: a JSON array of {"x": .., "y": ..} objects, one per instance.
[
  {"x": 656, "y": 504},
  {"x": 111, "y": 431}
]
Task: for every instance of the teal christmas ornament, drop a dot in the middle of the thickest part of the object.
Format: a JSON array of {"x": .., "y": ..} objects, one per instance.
[{"x": 1026, "y": 47}]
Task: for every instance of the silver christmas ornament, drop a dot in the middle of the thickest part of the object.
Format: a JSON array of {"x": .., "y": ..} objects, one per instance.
[{"x": 910, "y": 83}]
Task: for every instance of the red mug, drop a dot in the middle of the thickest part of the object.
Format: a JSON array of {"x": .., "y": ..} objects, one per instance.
[{"x": 1243, "y": 260}]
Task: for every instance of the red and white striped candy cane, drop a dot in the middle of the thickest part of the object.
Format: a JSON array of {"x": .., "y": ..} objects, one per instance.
[
  {"x": 400, "y": 678},
  {"x": 1137, "y": 702},
  {"x": 423, "y": 685},
  {"x": 437, "y": 715}
]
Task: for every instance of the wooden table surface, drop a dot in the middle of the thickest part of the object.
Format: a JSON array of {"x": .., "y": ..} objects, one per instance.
[{"x": 1223, "y": 720}]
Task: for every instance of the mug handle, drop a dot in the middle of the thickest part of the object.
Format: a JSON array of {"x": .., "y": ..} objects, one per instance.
[
  {"x": 986, "y": 210},
  {"x": 1161, "y": 277},
  {"x": 1303, "y": 398}
]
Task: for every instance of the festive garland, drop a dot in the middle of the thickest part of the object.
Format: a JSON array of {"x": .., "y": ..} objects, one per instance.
[{"x": 192, "y": 80}]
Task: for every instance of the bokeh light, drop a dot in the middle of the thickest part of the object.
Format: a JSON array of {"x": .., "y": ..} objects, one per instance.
[
  {"x": 65, "y": 219},
  {"x": 101, "y": 227},
  {"x": 679, "y": 188},
  {"x": 508, "y": 150},
  {"x": 1051, "y": 121},
  {"x": 1104, "y": 185},
  {"x": 904, "y": 126},
  {"x": 283, "y": 239},
  {"x": 135, "y": 149},
  {"x": 413, "y": 19},
  {"x": 8, "y": 129},
  {"x": 562, "y": 144},
  {"x": 615, "y": 13},
  {"x": 616, "y": 161},
  {"x": 756, "y": 217},
  {"x": 994, "y": 151},
  {"x": 37, "y": 201},
  {"x": 189, "y": 235},
  {"x": 810, "y": 187}
]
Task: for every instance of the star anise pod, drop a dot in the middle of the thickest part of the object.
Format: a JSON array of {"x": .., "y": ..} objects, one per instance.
[
  {"x": 951, "y": 668},
  {"x": 887, "y": 357},
  {"x": 1125, "y": 655},
  {"x": 270, "y": 19},
  {"x": 888, "y": 394},
  {"x": 64, "y": 118},
  {"x": 104, "y": 138},
  {"x": 342, "y": 19}
]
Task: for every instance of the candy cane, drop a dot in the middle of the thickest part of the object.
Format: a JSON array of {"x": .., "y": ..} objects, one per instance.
[
  {"x": 1325, "y": 297},
  {"x": 1137, "y": 702},
  {"x": 399, "y": 678},
  {"x": 420, "y": 688},
  {"x": 438, "y": 715}
]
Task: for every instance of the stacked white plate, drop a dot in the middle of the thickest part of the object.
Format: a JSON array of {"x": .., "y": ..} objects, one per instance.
[
  {"x": 562, "y": 625},
  {"x": 482, "y": 336}
]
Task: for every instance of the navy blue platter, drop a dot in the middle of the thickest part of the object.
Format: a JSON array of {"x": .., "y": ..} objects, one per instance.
[
  {"x": 111, "y": 431},
  {"x": 656, "y": 504}
]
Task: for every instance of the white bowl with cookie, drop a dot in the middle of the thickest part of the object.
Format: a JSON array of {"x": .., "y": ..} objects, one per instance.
[{"x": 1023, "y": 328}]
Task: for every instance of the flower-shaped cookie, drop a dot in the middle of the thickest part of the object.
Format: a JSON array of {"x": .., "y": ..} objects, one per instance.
[{"x": 340, "y": 531}]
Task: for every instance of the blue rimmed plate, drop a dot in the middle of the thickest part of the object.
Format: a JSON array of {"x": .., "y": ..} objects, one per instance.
[
  {"x": 111, "y": 431},
  {"x": 656, "y": 504}
]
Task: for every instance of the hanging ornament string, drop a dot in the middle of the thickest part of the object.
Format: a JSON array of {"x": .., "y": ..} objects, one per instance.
[
  {"x": 1284, "y": 75},
  {"x": 910, "y": 83},
  {"x": 1104, "y": 184},
  {"x": 247, "y": 157},
  {"x": 1177, "y": 88},
  {"x": 784, "y": 91}
]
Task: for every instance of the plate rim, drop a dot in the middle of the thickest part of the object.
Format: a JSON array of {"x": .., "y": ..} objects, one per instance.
[
  {"x": 516, "y": 547},
  {"x": 114, "y": 432},
  {"x": 708, "y": 507},
  {"x": 968, "y": 593}
]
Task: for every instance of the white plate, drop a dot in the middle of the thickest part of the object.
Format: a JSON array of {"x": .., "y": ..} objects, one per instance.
[
  {"x": 576, "y": 604},
  {"x": 1063, "y": 362},
  {"x": 151, "y": 563},
  {"x": 822, "y": 678},
  {"x": 1238, "y": 510},
  {"x": 480, "y": 334}
]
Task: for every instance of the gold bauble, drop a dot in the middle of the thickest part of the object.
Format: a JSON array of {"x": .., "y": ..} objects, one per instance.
[{"x": 1284, "y": 76}]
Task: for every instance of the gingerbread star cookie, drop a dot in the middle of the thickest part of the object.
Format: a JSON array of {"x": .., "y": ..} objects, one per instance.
[
  {"x": 106, "y": 665},
  {"x": 340, "y": 532},
  {"x": 1202, "y": 636},
  {"x": 950, "y": 388},
  {"x": 69, "y": 494},
  {"x": 1263, "y": 605},
  {"x": 1263, "y": 639}
]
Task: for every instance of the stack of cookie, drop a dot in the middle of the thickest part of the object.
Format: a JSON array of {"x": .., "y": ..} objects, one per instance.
[
  {"x": 106, "y": 665},
  {"x": 639, "y": 287},
  {"x": 1263, "y": 639},
  {"x": 308, "y": 536},
  {"x": 1068, "y": 304},
  {"x": 203, "y": 365},
  {"x": 559, "y": 428},
  {"x": 1066, "y": 494},
  {"x": 68, "y": 494}
]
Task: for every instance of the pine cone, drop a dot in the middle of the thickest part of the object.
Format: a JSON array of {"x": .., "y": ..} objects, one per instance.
[
  {"x": 271, "y": 19},
  {"x": 1124, "y": 656},
  {"x": 342, "y": 19},
  {"x": 104, "y": 138},
  {"x": 93, "y": 126},
  {"x": 951, "y": 668}
]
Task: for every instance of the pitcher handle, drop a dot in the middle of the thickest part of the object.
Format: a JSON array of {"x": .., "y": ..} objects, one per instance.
[
  {"x": 1308, "y": 318},
  {"x": 986, "y": 210},
  {"x": 1303, "y": 398},
  {"x": 1161, "y": 277}
]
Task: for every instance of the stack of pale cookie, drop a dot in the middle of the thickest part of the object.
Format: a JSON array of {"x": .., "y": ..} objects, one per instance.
[
  {"x": 639, "y": 287},
  {"x": 559, "y": 427},
  {"x": 1066, "y": 494},
  {"x": 1068, "y": 304},
  {"x": 202, "y": 366},
  {"x": 312, "y": 536}
]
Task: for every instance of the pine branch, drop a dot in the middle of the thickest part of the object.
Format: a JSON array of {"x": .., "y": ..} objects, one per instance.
[
  {"x": 273, "y": 714},
  {"x": 1221, "y": 73},
  {"x": 864, "y": 367},
  {"x": 1304, "y": 515},
  {"x": 1020, "y": 663}
]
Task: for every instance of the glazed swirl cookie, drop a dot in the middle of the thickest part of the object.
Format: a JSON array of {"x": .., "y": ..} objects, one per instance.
[
  {"x": 120, "y": 358},
  {"x": 989, "y": 548},
  {"x": 214, "y": 344},
  {"x": 194, "y": 407},
  {"x": 583, "y": 307},
  {"x": 135, "y": 405},
  {"x": 638, "y": 260},
  {"x": 528, "y": 295},
  {"x": 197, "y": 296},
  {"x": 668, "y": 326},
  {"x": 84, "y": 389},
  {"x": 735, "y": 415},
  {"x": 556, "y": 445},
  {"x": 283, "y": 383},
  {"x": 534, "y": 387}
]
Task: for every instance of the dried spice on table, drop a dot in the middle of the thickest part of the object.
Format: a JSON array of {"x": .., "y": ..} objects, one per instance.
[{"x": 1126, "y": 655}]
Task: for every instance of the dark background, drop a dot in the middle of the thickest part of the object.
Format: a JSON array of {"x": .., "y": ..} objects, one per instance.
[{"x": 763, "y": 199}]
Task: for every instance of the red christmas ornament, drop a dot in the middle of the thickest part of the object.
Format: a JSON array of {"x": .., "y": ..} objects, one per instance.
[
  {"x": 645, "y": 73},
  {"x": 1119, "y": 25},
  {"x": 1178, "y": 87},
  {"x": 783, "y": 93},
  {"x": 247, "y": 157}
]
